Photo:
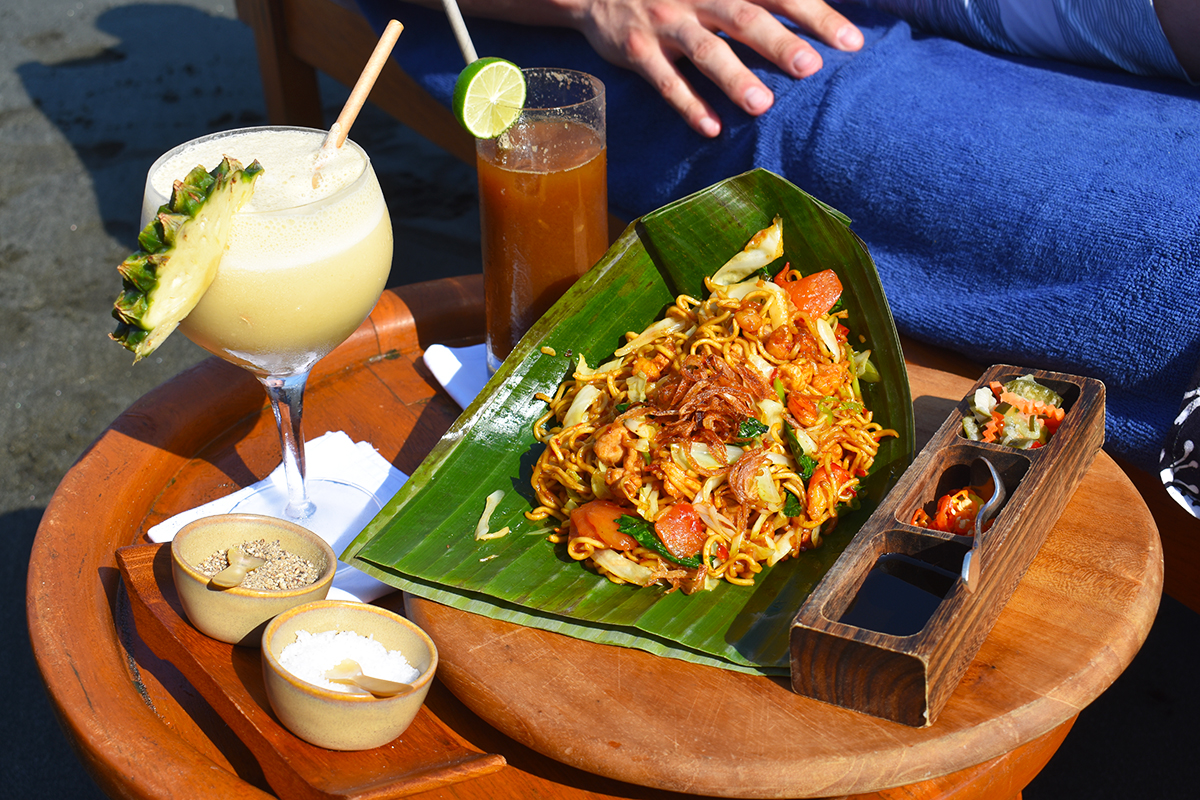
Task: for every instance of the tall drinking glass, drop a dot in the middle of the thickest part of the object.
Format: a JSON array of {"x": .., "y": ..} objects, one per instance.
[
  {"x": 543, "y": 196},
  {"x": 306, "y": 263}
]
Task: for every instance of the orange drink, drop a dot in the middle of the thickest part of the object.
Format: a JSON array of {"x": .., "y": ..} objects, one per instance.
[{"x": 543, "y": 195}]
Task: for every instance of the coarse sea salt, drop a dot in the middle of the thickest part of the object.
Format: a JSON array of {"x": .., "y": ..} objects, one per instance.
[{"x": 314, "y": 654}]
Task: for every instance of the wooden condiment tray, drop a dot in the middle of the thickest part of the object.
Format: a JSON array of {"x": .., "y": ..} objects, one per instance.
[
  {"x": 902, "y": 661},
  {"x": 229, "y": 677}
]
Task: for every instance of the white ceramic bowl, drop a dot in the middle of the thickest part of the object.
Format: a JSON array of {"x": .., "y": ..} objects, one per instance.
[
  {"x": 238, "y": 615},
  {"x": 336, "y": 720}
]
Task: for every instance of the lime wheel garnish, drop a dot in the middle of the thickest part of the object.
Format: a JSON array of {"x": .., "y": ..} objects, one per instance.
[{"x": 489, "y": 96}]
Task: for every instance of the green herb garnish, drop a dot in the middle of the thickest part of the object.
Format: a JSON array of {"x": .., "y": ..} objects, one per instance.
[
  {"x": 791, "y": 506},
  {"x": 751, "y": 428},
  {"x": 805, "y": 464},
  {"x": 640, "y": 530}
]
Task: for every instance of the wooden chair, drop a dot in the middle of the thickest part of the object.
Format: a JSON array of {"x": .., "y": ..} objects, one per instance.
[{"x": 296, "y": 38}]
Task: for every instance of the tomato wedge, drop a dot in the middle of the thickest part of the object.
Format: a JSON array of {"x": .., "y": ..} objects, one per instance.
[
  {"x": 681, "y": 530},
  {"x": 812, "y": 295},
  {"x": 597, "y": 519}
]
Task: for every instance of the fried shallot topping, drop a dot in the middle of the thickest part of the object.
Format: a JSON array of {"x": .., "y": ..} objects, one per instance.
[{"x": 707, "y": 401}]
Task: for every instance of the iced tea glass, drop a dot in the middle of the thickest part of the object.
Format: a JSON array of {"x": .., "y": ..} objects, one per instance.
[{"x": 543, "y": 197}]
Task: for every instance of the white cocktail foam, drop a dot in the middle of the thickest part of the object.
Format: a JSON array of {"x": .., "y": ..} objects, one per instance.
[{"x": 295, "y": 229}]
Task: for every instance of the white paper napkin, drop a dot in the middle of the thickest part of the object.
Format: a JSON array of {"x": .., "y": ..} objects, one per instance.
[
  {"x": 462, "y": 371},
  {"x": 333, "y": 455}
]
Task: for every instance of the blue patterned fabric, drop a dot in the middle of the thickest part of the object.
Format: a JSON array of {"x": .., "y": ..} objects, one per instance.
[
  {"x": 1102, "y": 33},
  {"x": 1019, "y": 210}
]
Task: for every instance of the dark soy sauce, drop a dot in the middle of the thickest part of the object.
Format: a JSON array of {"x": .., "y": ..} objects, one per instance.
[{"x": 899, "y": 595}]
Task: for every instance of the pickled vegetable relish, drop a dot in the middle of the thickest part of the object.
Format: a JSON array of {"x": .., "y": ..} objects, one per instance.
[{"x": 1022, "y": 413}]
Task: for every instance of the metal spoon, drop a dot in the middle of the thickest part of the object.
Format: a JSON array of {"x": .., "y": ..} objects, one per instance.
[
  {"x": 970, "y": 564},
  {"x": 348, "y": 671},
  {"x": 235, "y": 573}
]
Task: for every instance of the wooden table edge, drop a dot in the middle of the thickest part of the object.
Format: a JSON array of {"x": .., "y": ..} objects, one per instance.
[{"x": 61, "y": 593}]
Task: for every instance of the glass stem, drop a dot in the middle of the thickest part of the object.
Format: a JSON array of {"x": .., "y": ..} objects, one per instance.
[{"x": 287, "y": 401}]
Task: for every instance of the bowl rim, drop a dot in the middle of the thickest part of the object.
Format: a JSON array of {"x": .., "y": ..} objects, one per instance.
[
  {"x": 270, "y": 662},
  {"x": 239, "y": 591}
]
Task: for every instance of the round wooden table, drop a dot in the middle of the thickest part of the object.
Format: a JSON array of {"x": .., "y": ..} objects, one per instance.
[{"x": 144, "y": 730}]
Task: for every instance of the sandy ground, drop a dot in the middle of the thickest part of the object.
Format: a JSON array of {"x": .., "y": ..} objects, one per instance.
[{"x": 90, "y": 94}]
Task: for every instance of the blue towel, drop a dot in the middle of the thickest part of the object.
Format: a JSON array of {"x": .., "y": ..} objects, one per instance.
[{"x": 1019, "y": 210}]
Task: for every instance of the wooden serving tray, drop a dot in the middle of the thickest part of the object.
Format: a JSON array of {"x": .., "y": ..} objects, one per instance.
[
  {"x": 903, "y": 660},
  {"x": 230, "y": 678}
]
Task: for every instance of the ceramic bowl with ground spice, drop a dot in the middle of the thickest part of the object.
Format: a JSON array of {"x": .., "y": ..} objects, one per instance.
[
  {"x": 297, "y": 566},
  {"x": 303, "y": 643}
]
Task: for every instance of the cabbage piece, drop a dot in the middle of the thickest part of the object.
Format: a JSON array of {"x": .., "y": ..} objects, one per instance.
[
  {"x": 583, "y": 371},
  {"x": 579, "y": 406},
  {"x": 640, "y": 427},
  {"x": 715, "y": 520},
  {"x": 623, "y": 568},
  {"x": 763, "y": 248},
  {"x": 697, "y": 454},
  {"x": 663, "y": 327},
  {"x": 805, "y": 442},
  {"x": 599, "y": 485},
  {"x": 825, "y": 332},
  {"x": 761, "y": 365},
  {"x": 782, "y": 549},
  {"x": 485, "y": 520},
  {"x": 772, "y": 411},
  {"x": 635, "y": 385},
  {"x": 705, "y": 493},
  {"x": 768, "y": 492}
]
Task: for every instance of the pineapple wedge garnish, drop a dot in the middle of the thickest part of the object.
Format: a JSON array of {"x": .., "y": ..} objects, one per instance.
[{"x": 180, "y": 251}]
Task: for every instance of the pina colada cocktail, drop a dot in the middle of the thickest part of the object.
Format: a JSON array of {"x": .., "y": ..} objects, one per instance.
[
  {"x": 307, "y": 257},
  {"x": 305, "y": 265}
]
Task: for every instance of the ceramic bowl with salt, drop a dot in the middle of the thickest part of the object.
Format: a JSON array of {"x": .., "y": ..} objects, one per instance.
[
  {"x": 333, "y": 718},
  {"x": 239, "y": 614}
]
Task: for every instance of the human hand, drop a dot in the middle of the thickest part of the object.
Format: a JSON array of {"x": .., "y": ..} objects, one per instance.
[{"x": 650, "y": 36}]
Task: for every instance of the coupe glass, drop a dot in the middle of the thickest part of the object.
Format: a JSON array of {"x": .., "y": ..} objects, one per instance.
[{"x": 306, "y": 263}]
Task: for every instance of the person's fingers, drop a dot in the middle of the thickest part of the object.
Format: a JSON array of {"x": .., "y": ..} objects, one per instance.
[
  {"x": 820, "y": 21},
  {"x": 647, "y": 57},
  {"x": 753, "y": 25},
  {"x": 712, "y": 56},
  {"x": 649, "y": 37}
]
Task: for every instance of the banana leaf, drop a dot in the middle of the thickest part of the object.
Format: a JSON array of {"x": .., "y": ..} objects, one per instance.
[{"x": 423, "y": 540}]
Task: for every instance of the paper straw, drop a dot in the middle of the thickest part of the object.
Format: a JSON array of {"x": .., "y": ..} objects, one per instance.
[
  {"x": 340, "y": 129},
  {"x": 460, "y": 30},
  {"x": 358, "y": 95}
]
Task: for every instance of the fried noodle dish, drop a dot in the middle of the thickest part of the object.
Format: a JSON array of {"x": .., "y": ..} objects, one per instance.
[{"x": 725, "y": 437}]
